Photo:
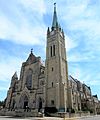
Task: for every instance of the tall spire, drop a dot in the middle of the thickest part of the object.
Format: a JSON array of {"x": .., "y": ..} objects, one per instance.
[{"x": 55, "y": 22}]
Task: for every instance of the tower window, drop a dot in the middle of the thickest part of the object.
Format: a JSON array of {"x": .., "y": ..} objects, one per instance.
[
  {"x": 53, "y": 50},
  {"x": 52, "y": 84},
  {"x": 52, "y": 68},
  {"x": 52, "y": 102}
]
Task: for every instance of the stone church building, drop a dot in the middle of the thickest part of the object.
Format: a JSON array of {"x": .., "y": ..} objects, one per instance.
[{"x": 40, "y": 87}]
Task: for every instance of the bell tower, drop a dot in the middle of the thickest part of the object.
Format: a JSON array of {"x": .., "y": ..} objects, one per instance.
[{"x": 56, "y": 66}]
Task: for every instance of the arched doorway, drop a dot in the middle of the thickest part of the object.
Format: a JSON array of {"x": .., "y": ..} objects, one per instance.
[
  {"x": 40, "y": 104},
  {"x": 25, "y": 102},
  {"x": 13, "y": 104}
]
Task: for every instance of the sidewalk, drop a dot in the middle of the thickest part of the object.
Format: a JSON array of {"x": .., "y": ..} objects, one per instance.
[
  {"x": 47, "y": 118},
  {"x": 54, "y": 118}
]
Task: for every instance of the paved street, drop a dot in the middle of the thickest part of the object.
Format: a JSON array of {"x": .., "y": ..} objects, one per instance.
[
  {"x": 91, "y": 118},
  {"x": 32, "y": 118}
]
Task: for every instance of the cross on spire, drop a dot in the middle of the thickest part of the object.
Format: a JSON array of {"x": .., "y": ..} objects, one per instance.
[{"x": 31, "y": 50}]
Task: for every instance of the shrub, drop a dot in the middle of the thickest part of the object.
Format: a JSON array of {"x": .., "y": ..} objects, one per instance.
[{"x": 50, "y": 109}]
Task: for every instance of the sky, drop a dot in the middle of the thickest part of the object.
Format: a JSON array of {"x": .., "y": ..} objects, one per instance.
[{"x": 24, "y": 23}]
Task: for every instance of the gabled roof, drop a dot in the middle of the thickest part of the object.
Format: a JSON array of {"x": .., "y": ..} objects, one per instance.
[{"x": 32, "y": 58}]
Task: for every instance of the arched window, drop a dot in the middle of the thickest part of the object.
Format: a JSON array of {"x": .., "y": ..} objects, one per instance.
[
  {"x": 53, "y": 50},
  {"x": 52, "y": 84},
  {"x": 29, "y": 79}
]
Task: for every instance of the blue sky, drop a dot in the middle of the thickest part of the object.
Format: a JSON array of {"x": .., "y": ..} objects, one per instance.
[{"x": 23, "y": 25}]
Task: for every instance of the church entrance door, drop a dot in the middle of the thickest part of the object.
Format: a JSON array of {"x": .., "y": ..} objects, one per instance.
[
  {"x": 40, "y": 104},
  {"x": 25, "y": 104}
]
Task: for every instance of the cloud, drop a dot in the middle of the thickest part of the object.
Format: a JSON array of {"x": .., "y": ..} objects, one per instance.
[
  {"x": 85, "y": 56},
  {"x": 8, "y": 69},
  {"x": 3, "y": 88},
  {"x": 95, "y": 83},
  {"x": 70, "y": 43},
  {"x": 38, "y": 7},
  {"x": 24, "y": 23},
  {"x": 85, "y": 72},
  {"x": 9, "y": 64}
]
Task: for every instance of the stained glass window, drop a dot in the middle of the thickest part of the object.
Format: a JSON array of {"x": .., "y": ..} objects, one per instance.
[{"x": 29, "y": 79}]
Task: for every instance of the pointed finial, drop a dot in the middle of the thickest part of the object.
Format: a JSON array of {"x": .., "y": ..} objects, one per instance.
[
  {"x": 31, "y": 50},
  {"x": 54, "y": 7},
  {"x": 15, "y": 75},
  {"x": 63, "y": 33}
]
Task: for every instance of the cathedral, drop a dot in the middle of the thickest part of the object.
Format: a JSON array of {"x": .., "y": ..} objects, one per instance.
[
  {"x": 42, "y": 86},
  {"x": 48, "y": 86}
]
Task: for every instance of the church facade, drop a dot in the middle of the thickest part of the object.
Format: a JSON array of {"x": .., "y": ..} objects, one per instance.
[
  {"x": 29, "y": 89},
  {"x": 42, "y": 86}
]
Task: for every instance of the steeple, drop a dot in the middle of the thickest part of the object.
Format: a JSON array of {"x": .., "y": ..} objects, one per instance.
[
  {"x": 15, "y": 76},
  {"x": 14, "y": 80},
  {"x": 56, "y": 66},
  {"x": 55, "y": 22}
]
